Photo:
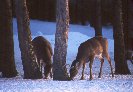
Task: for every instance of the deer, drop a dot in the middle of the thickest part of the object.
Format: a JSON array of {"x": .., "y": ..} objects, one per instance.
[
  {"x": 44, "y": 53},
  {"x": 87, "y": 52}
]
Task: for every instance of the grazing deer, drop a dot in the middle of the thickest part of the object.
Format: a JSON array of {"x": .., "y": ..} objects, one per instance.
[
  {"x": 43, "y": 51},
  {"x": 87, "y": 51}
]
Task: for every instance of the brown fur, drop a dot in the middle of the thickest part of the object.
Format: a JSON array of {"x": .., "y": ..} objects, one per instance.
[
  {"x": 43, "y": 51},
  {"x": 87, "y": 51}
]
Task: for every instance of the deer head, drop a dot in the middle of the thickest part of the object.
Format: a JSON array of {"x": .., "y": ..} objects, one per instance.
[{"x": 73, "y": 69}]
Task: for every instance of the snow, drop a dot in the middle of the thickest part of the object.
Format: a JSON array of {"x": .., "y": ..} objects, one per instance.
[{"x": 77, "y": 35}]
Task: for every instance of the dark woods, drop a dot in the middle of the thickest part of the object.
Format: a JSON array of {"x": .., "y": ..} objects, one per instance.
[
  {"x": 84, "y": 12},
  {"x": 81, "y": 11}
]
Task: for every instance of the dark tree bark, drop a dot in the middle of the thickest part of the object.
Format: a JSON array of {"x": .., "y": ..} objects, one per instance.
[
  {"x": 61, "y": 39},
  {"x": 96, "y": 16},
  {"x": 130, "y": 24},
  {"x": 125, "y": 18},
  {"x": 51, "y": 9},
  {"x": 77, "y": 11},
  {"x": 7, "y": 62},
  {"x": 30, "y": 67},
  {"x": 33, "y": 8},
  {"x": 119, "y": 46},
  {"x": 72, "y": 11},
  {"x": 98, "y": 25},
  {"x": 83, "y": 11}
]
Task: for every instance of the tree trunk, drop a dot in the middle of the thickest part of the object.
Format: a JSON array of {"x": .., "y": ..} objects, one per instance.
[
  {"x": 126, "y": 28},
  {"x": 7, "y": 64},
  {"x": 30, "y": 67},
  {"x": 98, "y": 25},
  {"x": 61, "y": 39},
  {"x": 119, "y": 46},
  {"x": 130, "y": 24}
]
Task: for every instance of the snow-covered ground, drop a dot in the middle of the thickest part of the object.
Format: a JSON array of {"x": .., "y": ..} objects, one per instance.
[{"x": 77, "y": 35}]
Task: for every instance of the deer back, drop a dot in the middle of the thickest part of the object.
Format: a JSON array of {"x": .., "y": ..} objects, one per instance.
[
  {"x": 104, "y": 44},
  {"x": 42, "y": 48},
  {"x": 91, "y": 47}
]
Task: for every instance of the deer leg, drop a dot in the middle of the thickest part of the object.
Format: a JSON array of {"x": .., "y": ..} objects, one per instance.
[
  {"x": 39, "y": 64},
  {"x": 51, "y": 73},
  {"x": 82, "y": 77},
  {"x": 90, "y": 65},
  {"x": 47, "y": 70},
  {"x": 131, "y": 59},
  {"x": 102, "y": 61},
  {"x": 109, "y": 60},
  {"x": 45, "y": 73}
]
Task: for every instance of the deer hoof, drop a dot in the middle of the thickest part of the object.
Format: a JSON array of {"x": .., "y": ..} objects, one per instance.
[
  {"x": 112, "y": 74},
  {"x": 99, "y": 76},
  {"x": 90, "y": 78},
  {"x": 45, "y": 77},
  {"x": 82, "y": 78}
]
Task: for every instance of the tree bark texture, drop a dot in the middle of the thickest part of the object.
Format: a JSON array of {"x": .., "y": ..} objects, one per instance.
[
  {"x": 7, "y": 62},
  {"x": 119, "y": 46},
  {"x": 29, "y": 61},
  {"x": 98, "y": 19},
  {"x": 130, "y": 21},
  {"x": 61, "y": 40},
  {"x": 125, "y": 18}
]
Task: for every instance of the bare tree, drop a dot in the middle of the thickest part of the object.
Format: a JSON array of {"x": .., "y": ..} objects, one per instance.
[
  {"x": 98, "y": 26},
  {"x": 125, "y": 21},
  {"x": 7, "y": 62},
  {"x": 96, "y": 16},
  {"x": 61, "y": 39},
  {"x": 30, "y": 67},
  {"x": 119, "y": 46}
]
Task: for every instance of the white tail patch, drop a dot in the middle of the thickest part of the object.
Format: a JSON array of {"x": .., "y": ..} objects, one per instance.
[{"x": 99, "y": 56}]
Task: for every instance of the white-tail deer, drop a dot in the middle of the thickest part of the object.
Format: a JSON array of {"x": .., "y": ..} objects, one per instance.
[
  {"x": 43, "y": 51},
  {"x": 87, "y": 51}
]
